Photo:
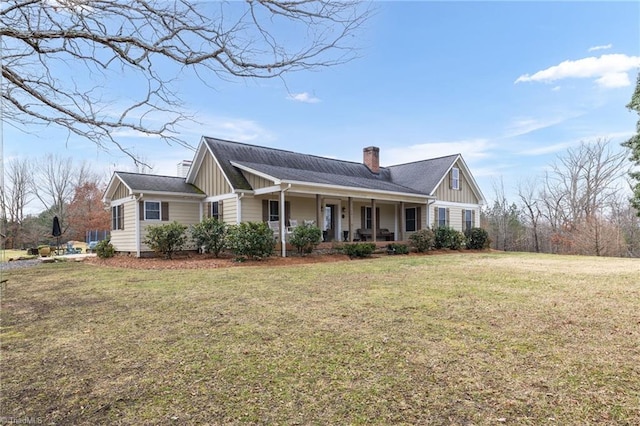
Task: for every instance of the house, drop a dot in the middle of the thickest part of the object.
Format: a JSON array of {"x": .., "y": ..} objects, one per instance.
[{"x": 238, "y": 182}]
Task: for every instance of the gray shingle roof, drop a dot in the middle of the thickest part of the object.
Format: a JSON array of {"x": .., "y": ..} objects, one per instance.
[
  {"x": 420, "y": 177},
  {"x": 312, "y": 176},
  {"x": 153, "y": 183},
  {"x": 424, "y": 175},
  {"x": 289, "y": 162}
]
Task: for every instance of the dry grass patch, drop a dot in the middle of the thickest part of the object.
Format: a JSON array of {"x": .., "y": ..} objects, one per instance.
[{"x": 455, "y": 339}]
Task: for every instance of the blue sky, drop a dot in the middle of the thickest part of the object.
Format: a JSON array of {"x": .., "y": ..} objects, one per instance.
[{"x": 509, "y": 85}]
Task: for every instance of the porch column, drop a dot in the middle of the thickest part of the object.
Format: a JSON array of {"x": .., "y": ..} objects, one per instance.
[
  {"x": 350, "y": 219},
  {"x": 283, "y": 222},
  {"x": 374, "y": 221},
  {"x": 318, "y": 211},
  {"x": 402, "y": 222}
]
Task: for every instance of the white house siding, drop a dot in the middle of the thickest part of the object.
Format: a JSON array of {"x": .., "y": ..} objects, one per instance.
[
  {"x": 185, "y": 212},
  {"x": 124, "y": 240},
  {"x": 455, "y": 214},
  {"x": 251, "y": 209},
  {"x": 302, "y": 208},
  {"x": 230, "y": 210}
]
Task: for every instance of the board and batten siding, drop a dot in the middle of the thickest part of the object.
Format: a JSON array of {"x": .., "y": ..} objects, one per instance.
[
  {"x": 257, "y": 182},
  {"x": 124, "y": 240},
  {"x": 121, "y": 192},
  {"x": 463, "y": 195},
  {"x": 210, "y": 178}
]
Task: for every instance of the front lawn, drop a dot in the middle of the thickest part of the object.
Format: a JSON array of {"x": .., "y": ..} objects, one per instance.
[{"x": 463, "y": 338}]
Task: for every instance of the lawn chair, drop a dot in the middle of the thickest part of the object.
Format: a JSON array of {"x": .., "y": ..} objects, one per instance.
[
  {"x": 71, "y": 249},
  {"x": 274, "y": 225}
]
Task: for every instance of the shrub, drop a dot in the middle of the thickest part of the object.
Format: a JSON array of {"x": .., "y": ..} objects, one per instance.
[
  {"x": 252, "y": 240},
  {"x": 476, "y": 239},
  {"x": 422, "y": 240},
  {"x": 305, "y": 238},
  {"x": 210, "y": 234},
  {"x": 166, "y": 239},
  {"x": 448, "y": 238},
  {"x": 358, "y": 249},
  {"x": 105, "y": 249},
  {"x": 397, "y": 248}
]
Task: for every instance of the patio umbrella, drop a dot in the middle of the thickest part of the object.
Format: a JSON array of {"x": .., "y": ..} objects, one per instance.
[{"x": 56, "y": 230}]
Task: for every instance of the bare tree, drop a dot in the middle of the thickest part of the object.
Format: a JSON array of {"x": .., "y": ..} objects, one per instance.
[
  {"x": 59, "y": 56},
  {"x": 527, "y": 192},
  {"x": 15, "y": 196},
  {"x": 578, "y": 189},
  {"x": 54, "y": 182}
]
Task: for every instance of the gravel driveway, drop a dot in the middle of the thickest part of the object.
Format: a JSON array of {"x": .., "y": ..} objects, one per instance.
[{"x": 18, "y": 264}]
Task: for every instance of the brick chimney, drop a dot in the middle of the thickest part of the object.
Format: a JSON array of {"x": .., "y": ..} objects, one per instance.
[{"x": 371, "y": 158}]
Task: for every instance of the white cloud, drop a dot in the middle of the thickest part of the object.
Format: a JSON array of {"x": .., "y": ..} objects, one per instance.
[
  {"x": 547, "y": 149},
  {"x": 303, "y": 97},
  {"x": 609, "y": 71},
  {"x": 612, "y": 80},
  {"x": 236, "y": 129},
  {"x": 563, "y": 146},
  {"x": 523, "y": 125},
  {"x": 473, "y": 149},
  {"x": 601, "y": 47}
]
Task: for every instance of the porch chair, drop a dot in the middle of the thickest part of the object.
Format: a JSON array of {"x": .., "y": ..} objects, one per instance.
[
  {"x": 274, "y": 225},
  {"x": 292, "y": 225}
]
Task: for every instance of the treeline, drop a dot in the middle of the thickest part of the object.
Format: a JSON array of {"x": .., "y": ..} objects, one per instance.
[
  {"x": 579, "y": 205},
  {"x": 52, "y": 186}
]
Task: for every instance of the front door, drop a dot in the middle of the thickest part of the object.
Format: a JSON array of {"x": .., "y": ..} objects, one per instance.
[{"x": 330, "y": 222}]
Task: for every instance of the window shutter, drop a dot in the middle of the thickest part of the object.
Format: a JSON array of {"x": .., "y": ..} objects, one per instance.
[
  {"x": 220, "y": 211},
  {"x": 436, "y": 218},
  {"x": 473, "y": 218},
  {"x": 209, "y": 208},
  {"x": 418, "y": 218},
  {"x": 121, "y": 216},
  {"x": 447, "y": 221},
  {"x": 363, "y": 217},
  {"x": 164, "y": 211},
  {"x": 141, "y": 205},
  {"x": 265, "y": 210},
  {"x": 114, "y": 214},
  {"x": 464, "y": 219},
  {"x": 378, "y": 217}
]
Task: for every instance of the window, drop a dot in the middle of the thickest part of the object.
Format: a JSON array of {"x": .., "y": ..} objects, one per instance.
[
  {"x": 117, "y": 217},
  {"x": 151, "y": 210},
  {"x": 215, "y": 210},
  {"x": 455, "y": 178},
  {"x": 366, "y": 218},
  {"x": 442, "y": 216},
  {"x": 467, "y": 219},
  {"x": 274, "y": 210},
  {"x": 410, "y": 219},
  {"x": 368, "y": 224}
]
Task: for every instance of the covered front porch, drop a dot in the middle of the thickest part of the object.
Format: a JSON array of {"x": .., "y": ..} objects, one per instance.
[{"x": 370, "y": 217}]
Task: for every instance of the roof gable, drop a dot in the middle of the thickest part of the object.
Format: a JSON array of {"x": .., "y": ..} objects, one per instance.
[
  {"x": 145, "y": 183},
  {"x": 425, "y": 175}
]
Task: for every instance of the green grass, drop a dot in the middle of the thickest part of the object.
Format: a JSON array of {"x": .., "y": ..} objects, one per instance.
[{"x": 453, "y": 339}]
